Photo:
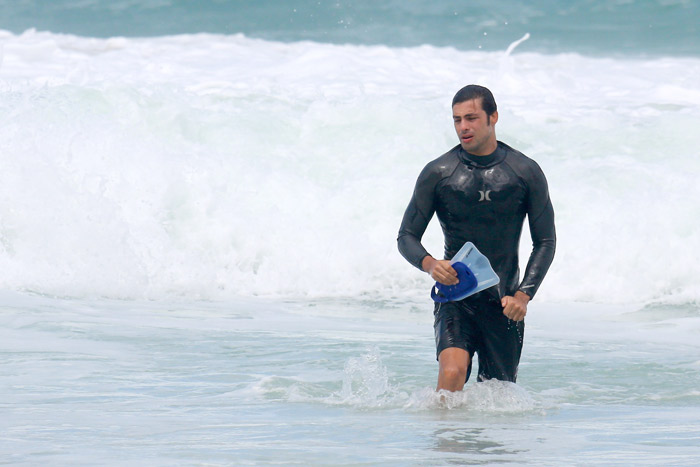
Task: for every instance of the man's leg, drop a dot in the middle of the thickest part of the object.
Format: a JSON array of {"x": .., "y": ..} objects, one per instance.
[
  {"x": 454, "y": 364},
  {"x": 456, "y": 339}
]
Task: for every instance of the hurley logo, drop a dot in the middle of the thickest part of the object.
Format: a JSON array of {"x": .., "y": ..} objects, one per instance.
[{"x": 484, "y": 195}]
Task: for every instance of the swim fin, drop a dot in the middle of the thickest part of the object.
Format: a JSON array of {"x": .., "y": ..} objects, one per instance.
[{"x": 474, "y": 272}]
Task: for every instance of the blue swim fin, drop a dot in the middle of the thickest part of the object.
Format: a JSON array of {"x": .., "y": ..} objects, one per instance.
[{"x": 473, "y": 271}]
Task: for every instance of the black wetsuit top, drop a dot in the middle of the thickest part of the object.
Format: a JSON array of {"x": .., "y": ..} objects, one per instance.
[{"x": 484, "y": 199}]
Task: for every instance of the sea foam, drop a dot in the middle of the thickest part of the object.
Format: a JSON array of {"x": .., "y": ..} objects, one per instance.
[{"x": 211, "y": 166}]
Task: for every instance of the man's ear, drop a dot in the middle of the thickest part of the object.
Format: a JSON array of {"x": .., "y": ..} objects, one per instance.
[{"x": 493, "y": 118}]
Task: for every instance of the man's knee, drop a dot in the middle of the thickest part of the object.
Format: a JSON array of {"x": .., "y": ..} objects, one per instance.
[
  {"x": 454, "y": 372},
  {"x": 454, "y": 363}
]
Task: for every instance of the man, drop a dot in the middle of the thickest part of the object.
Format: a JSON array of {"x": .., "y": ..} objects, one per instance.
[{"x": 481, "y": 190}]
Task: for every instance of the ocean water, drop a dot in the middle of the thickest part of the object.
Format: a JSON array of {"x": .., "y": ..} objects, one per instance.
[
  {"x": 609, "y": 27},
  {"x": 198, "y": 212}
]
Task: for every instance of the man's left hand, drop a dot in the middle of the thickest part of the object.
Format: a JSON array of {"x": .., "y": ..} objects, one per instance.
[{"x": 515, "y": 307}]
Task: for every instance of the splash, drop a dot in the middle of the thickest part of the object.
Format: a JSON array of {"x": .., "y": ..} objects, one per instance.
[
  {"x": 144, "y": 168},
  {"x": 514, "y": 44},
  {"x": 488, "y": 396},
  {"x": 366, "y": 383}
]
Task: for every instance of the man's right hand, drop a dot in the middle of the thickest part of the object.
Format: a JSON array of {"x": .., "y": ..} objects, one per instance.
[{"x": 440, "y": 270}]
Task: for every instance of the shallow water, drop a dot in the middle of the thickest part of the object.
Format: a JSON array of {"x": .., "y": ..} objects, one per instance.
[{"x": 251, "y": 382}]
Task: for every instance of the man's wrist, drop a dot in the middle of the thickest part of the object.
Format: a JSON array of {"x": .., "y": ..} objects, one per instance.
[
  {"x": 427, "y": 263},
  {"x": 522, "y": 295}
]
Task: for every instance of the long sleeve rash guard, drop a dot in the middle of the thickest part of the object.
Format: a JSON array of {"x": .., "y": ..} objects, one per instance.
[{"x": 484, "y": 199}]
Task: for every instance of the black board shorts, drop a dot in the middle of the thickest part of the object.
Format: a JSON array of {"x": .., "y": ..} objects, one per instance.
[{"x": 477, "y": 324}]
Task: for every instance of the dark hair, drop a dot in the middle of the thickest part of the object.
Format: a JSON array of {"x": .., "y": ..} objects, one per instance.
[{"x": 474, "y": 91}]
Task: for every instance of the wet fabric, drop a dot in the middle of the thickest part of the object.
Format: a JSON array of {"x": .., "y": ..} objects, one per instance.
[
  {"x": 479, "y": 326},
  {"x": 484, "y": 199}
]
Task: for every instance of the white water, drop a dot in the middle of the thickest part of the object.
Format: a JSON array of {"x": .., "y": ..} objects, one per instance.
[{"x": 213, "y": 167}]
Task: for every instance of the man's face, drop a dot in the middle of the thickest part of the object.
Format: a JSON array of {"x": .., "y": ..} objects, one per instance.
[{"x": 476, "y": 131}]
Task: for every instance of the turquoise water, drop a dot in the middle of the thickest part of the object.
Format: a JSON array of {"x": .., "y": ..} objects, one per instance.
[
  {"x": 197, "y": 232},
  {"x": 612, "y": 27}
]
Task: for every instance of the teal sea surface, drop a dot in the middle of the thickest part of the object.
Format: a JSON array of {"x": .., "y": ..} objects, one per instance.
[{"x": 610, "y": 27}]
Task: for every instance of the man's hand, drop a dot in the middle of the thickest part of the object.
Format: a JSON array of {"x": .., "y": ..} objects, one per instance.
[
  {"x": 515, "y": 307},
  {"x": 440, "y": 270}
]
